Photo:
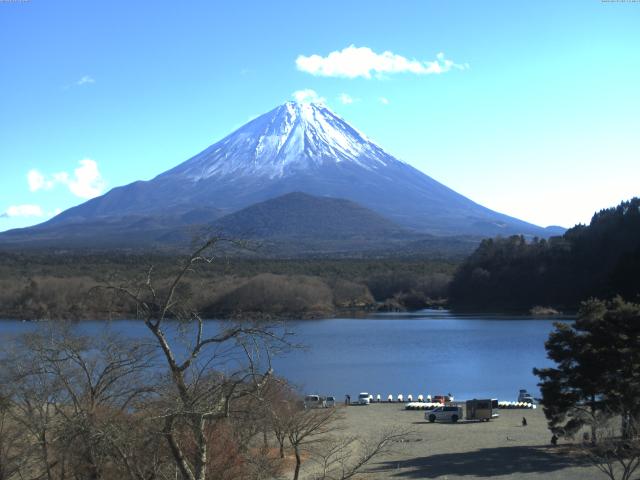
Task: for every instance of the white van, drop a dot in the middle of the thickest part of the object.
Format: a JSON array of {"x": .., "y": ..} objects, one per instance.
[
  {"x": 314, "y": 401},
  {"x": 444, "y": 414},
  {"x": 364, "y": 398}
]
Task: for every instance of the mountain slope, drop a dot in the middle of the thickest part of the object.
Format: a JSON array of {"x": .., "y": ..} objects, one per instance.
[
  {"x": 293, "y": 148},
  {"x": 296, "y": 224},
  {"x": 301, "y": 215}
]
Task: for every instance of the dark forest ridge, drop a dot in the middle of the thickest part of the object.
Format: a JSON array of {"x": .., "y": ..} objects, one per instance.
[{"x": 600, "y": 260}]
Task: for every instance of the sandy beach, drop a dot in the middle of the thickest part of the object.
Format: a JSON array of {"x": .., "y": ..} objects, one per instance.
[{"x": 502, "y": 448}]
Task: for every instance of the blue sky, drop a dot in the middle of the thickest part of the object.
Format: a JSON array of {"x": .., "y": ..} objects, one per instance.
[{"x": 537, "y": 116}]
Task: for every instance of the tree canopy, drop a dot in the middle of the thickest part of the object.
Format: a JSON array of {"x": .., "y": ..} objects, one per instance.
[
  {"x": 597, "y": 372},
  {"x": 600, "y": 260}
]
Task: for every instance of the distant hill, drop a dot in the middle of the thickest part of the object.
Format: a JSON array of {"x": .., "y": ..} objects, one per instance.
[
  {"x": 301, "y": 215},
  {"x": 298, "y": 224},
  {"x": 127, "y": 232},
  {"x": 292, "y": 225},
  {"x": 599, "y": 260}
]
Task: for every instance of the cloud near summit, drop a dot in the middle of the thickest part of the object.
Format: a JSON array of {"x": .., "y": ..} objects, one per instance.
[
  {"x": 353, "y": 62},
  {"x": 308, "y": 95}
]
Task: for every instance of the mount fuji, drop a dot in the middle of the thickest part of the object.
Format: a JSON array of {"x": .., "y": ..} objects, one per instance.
[{"x": 296, "y": 147}]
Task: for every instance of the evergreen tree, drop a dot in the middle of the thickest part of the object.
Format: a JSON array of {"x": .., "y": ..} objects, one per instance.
[
  {"x": 600, "y": 260},
  {"x": 597, "y": 371}
]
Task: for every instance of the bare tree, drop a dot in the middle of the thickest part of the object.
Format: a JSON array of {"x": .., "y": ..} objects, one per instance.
[
  {"x": 69, "y": 392},
  {"x": 614, "y": 455},
  {"x": 281, "y": 404},
  {"x": 30, "y": 401},
  {"x": 13, "y": 443},
  {"x": 136, "y": 448},
  {"x": 345, "y": 458},
  {"x": 208, "y": 371},
  {"x": 307, "y": 428},
  {"x": 188, "y": 401}
]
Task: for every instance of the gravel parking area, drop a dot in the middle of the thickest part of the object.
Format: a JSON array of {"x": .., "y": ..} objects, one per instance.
[{"x": 502, "y": 448}]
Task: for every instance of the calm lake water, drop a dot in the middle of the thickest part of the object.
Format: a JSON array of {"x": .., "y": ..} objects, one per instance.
[{"x": 431, "y": 351}]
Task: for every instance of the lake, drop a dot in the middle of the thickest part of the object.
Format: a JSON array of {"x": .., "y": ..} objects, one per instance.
[{"x": 428, "y": 352}]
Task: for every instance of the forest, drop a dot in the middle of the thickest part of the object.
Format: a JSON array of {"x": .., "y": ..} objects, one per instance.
[
  {"x": 599, "y": 260},
  {"x": 38, "y": 286}
]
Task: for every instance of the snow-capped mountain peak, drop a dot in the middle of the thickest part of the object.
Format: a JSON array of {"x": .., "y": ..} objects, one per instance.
[
  {"x": 290, "y": 138},
  {"x": 296, "y": 147}
]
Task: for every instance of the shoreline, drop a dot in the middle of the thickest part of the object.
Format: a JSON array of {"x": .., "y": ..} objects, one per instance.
[{"x": 347, "y": 313}]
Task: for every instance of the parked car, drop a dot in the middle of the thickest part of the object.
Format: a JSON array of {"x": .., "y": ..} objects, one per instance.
[
  {"x": 444, "y": 414},
  {"x": 314, "y": 401},
  {"x": 443, "y": 398},
  {"x": 364, "y": 398},
  {"x": 330, "y": 401},
  {"x": 526, "y": 397}
]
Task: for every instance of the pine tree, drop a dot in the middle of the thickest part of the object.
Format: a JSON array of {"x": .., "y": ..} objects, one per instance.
[{"x": 597, "y": 371}]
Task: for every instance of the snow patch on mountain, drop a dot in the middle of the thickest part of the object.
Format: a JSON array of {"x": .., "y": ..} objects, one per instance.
[{"x": 293, "y": 137}]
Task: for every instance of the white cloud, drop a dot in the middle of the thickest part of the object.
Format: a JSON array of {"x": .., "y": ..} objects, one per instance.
[
  {"x": 352, "y": 62},
  {"x": 384, "y": 100},
  {"x": 25, "y": 210},
  {"x": 86, "y": 181},
  {"x": 307, "y": 96},
  {"x": 61, "y": 177},
  {"x": 85, "y": 79},
  {"x": 36, "y": 180},
  {"x": 345, "y": 98}
]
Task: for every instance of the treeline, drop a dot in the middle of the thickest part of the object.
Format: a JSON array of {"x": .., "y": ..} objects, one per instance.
[
  {"x": 62, "y": 286},
  {"x": 599, "y": 260}
]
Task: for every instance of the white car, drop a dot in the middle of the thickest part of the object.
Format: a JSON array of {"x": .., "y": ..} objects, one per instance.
[
  {"x": 330, "y": 401},
  {"x": 364, "y": 398},
  {"x": 314, "y": 401},
  {"x": 444, "y": 414}
]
